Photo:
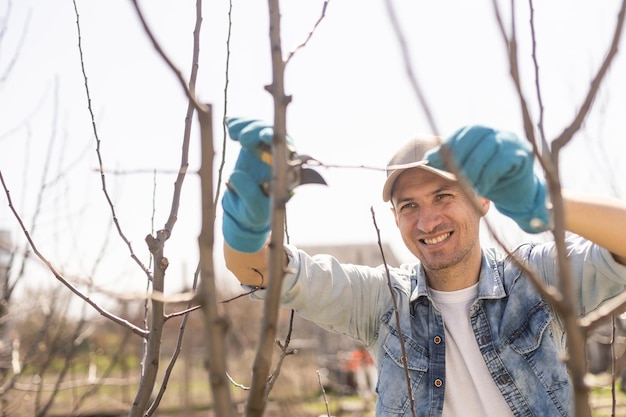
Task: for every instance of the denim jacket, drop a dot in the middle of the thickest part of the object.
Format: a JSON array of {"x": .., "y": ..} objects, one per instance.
[{"x": 516, "y": 331}]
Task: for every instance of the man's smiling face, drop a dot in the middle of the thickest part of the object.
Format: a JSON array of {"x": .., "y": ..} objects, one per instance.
[{"x": 438, "y": 222}]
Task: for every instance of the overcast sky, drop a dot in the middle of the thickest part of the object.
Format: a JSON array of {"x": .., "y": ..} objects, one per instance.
[{"x": 352, "y": 106}]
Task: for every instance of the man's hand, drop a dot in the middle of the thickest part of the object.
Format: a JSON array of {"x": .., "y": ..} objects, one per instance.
[
  {"x": 500, "y": 168},
  {"x": 246, "y": 222}
]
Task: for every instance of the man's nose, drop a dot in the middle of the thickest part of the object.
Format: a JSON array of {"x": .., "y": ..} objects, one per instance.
[{"x": 429, "y": 219}]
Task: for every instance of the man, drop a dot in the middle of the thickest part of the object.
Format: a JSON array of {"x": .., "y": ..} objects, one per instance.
[{"x": 479, "y": 339}]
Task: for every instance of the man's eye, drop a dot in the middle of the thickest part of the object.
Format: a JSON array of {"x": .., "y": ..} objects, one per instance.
[
  {"x": 442, "y": 196},
  {"x": 407, "y": 206}
]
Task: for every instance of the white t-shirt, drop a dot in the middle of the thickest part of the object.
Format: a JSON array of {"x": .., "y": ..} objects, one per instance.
[{"x": 469, "y": 390}]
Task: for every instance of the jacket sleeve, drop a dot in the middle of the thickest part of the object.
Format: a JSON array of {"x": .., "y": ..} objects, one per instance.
[
  {"x": 343, "y": 298},
  {"x": 596, "y": 275}
]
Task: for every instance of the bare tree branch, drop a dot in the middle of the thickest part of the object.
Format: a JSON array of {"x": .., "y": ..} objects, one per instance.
[
  {"x": 409, "y": 66},
  {"x": 310, "y": 34},
  {"x": 576, "y": 360},
  {"x": 220, "y": 170},
  {"x": 540, "y": 126},
  {"x": 152, "y": 354},
  {"x": 278, "y": 199},
  {"x": 584, "y": 109},
  {"x": 404, "y": 358},
  {"x": 284, "y": 352},
  {"x": 575, "y": 341},
  {"x": 100, "y": 163},
  {"x": 4, "y": 26},
  {"x": 177, "y": 350},
  {"x": 215, "y": 325},
  {"x": 594, "y": 318},
  {"x": 319, "y": 380},
  {"x": 189, "y": 91},
  {"x": 61, "y": 278}
]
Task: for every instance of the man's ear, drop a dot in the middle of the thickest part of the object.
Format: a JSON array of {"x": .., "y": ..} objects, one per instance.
[
  {"x": 395, "y": 217},
  {"x": 484, "y": 205}
]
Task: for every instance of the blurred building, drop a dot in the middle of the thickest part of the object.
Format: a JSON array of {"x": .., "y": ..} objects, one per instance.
[
  {"x": 355, "y": 253},
  {"x": 5, "y": 251}
]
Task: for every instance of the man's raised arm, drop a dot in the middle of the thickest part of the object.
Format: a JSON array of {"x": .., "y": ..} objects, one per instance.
[
  {"x": 602, "y": 220},
  {"x": 500, "y": 167}
]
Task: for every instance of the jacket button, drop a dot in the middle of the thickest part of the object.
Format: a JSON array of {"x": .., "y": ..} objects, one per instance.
[
  {"x": 438, "y": 383},
  {"x": 437, "y": 339},
  {"x": 503, "y": 379}
]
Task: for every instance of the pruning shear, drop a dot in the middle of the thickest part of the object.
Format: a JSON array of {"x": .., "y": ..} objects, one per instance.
[{"x": 297, "y": 174}]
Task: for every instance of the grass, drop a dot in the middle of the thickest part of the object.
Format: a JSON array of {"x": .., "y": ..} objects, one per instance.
[
  {"x": 601, "y": 400},
  {"x": 297, "y": 392}
]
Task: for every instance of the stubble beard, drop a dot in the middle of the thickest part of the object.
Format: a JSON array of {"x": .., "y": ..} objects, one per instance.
[{"x": 445, "y": 264}]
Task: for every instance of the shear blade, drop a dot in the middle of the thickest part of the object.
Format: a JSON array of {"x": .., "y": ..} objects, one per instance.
[{"x": 310, "y": 176}]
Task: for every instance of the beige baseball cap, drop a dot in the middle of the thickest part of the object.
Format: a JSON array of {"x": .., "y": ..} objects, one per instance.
[{"x": 411, "y": 155}]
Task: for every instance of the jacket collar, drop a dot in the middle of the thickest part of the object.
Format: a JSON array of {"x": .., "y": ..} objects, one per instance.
[{"x": 490, "y": 284}]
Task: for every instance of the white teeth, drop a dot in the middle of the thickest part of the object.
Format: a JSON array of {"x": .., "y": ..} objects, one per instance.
[{"x": 437, "y": 239}]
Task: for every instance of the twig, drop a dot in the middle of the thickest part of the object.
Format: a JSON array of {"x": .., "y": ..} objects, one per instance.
[
  {"x": 550, "y": 293},
  {"x": 406, "y": 56},
  {"x": 595, "y": 317},
  {"x": 511, "y": 49},
  {"x": 184, "y": 312},
  {"x": 404, "y": 358},
  {"x": 585, "y": 107},
  {"x": 220, "y": 170},
  {"x": 309, "y": 35},
  {"x": 540, "y": 126},
  {"x": 140, "y": 171},
  {"x": 99, "y": 155},
  {"x": 31, "y": 387},
  {"x": 319, "y": 380},
  {"x": 4, "y": 75},
  {"x": 252, "y": 291},
  {"x": 613, "y": 358},
  {"x": 189, "y": 91},
  {"x": 237, "y": 384},
  {"x": 139, "y": 331},
  {"x": 284, "y": 352}
]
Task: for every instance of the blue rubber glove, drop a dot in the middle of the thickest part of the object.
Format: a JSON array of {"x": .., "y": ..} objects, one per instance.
[
  {"x": 246, "y": 222},
  {"x": 500, "y": 168}
]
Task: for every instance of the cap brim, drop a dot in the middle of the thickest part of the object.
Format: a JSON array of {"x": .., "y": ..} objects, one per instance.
[{"x": 399, "y": 169}]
